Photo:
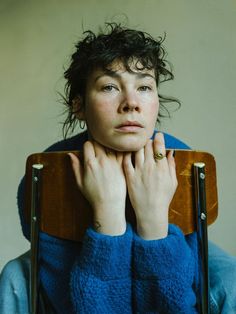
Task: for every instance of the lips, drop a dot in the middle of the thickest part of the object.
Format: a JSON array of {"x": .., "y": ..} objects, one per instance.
[
  {"x": 130, "y": 123},
  {"x": 130, "y": 127}
]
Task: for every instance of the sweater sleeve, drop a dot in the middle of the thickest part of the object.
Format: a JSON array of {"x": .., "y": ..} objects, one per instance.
[
  {"x": 14, "y": 286},
  {"x": 101, "y": 276},
  {"x": 164, "y": 273}
]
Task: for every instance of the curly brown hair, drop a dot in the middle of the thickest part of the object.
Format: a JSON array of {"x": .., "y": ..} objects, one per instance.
[{"x": 101, "y": 50}]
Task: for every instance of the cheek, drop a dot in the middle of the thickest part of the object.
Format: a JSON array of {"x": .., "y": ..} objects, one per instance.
[
  {"x": 153, "y": 110},
  {"x": 98, "y": 107},
  {"x": 98, "y": 118}
]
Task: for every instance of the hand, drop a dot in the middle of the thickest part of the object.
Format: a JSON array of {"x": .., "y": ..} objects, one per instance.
[
  {"x": 151, "y": 186},
  {"x": 101, "y": 180}
]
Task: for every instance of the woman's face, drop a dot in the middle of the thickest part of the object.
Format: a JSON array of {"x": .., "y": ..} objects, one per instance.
[{"x": 121, "y": 107}]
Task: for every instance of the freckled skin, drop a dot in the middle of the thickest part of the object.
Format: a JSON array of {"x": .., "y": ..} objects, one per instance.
[{"x": 115, "y": 97}]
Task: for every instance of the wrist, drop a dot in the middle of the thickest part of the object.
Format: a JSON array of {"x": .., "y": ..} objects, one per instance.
[
  {"x": 153, "y": 228},
  {"x": 110, "y": 224}
]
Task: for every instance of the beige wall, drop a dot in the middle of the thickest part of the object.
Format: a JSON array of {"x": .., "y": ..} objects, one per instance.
[{"x": 36, "y": 37}]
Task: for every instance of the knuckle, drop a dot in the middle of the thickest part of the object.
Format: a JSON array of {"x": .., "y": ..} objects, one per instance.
[{"x": 89, "y": 163}]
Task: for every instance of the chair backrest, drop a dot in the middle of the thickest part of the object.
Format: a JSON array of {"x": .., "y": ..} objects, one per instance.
[
  {"x": 65, "y": 213},
  {"x": 54, "y": 205}
]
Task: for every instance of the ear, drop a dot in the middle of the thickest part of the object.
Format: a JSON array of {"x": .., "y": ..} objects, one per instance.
[{"x": 78, "y": 108}]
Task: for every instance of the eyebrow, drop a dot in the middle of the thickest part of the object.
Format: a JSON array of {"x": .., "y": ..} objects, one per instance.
[{"x": 114, "y": 74}]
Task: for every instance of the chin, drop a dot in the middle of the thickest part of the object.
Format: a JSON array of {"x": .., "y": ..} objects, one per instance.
[{"x": 129, "y": 146}]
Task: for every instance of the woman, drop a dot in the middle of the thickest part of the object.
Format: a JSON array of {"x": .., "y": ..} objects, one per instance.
[{"x": 112, "y": 86}]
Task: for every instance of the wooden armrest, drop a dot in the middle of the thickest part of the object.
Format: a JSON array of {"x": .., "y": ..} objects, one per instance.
[{"x": 66, "y": 214}]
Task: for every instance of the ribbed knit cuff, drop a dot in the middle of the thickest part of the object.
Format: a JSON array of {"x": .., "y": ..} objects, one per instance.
[
  {"x": 106, "y": 257},
  {"x": 163, "y": 258}
]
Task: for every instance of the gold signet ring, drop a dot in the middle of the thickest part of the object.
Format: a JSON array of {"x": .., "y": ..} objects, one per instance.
[{"x": 158, "y": 156}]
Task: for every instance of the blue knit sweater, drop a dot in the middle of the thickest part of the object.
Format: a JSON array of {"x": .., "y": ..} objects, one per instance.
[{"x": 118, "y": 274}]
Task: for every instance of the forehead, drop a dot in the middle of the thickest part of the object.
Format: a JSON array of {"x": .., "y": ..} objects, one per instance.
[{"x": 118, "y": 67}]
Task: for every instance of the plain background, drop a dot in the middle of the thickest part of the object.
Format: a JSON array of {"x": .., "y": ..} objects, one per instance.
[{"x": 36, "y": 40}]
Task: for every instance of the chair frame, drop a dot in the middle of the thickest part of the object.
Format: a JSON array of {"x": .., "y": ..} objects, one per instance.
[
  {"x": 201, "y": 217},
  {"x": 34, "y": 237},
  {"x": 201, "y": 212}
]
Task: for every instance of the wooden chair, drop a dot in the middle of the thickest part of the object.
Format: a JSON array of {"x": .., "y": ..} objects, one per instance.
[{"x": 53, "y": 204}]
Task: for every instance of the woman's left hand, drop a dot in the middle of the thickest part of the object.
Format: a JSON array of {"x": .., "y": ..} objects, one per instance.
[{"x": 151, "y": 184}]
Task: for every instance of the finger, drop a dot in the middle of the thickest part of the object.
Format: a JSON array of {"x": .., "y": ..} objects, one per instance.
[
  {"x": 159, "y": 145},
  {"x": 77, "y": 168},
  {"x": 139, "y": 158},
  {"x": 88, "y": 150},
  {"x": 102, "y": 151},
  {"x": 148, "y": 151},
  {"x": 99, "y": 149},
  {"x": 119, "y": 157},
  {"x": 172, "y": 166},
  {"x": 127, "y": 165}
]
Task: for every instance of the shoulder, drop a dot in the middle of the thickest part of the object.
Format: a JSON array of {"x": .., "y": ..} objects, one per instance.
[
  {"x": 16, "y": 269},
  {"x": 14, "y": 285},
  {"x": 73, "y": 143},
  {"x": 174, "y": 143}
]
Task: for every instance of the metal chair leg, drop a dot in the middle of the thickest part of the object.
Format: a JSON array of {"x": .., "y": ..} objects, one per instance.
[
  {"x": 34, "y": 282},
  {"x": 200, "y": 199}
]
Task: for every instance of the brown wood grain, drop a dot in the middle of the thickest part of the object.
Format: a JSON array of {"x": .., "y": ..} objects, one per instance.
[{"x": 66, "y": 214}]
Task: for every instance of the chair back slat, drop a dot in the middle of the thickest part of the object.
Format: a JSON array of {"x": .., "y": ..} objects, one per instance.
[{"x": 66, "y": 214}]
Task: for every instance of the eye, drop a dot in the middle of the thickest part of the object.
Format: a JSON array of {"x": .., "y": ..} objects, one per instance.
[
  {"x": 145, "y": 88},
  {"x": 108, "y": 88}
]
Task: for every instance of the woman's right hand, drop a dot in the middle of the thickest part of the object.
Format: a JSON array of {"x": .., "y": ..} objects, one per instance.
[{"x": 102, "y": 182}]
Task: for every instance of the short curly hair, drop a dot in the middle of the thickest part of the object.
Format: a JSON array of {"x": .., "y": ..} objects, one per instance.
[{"x": 100, "y": 51}]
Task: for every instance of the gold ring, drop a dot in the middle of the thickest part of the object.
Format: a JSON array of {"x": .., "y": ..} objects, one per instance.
[{"x": 158, "y": 156}]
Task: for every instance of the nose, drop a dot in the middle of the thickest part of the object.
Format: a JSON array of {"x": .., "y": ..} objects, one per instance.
[{"x": 129, "y": 102}]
